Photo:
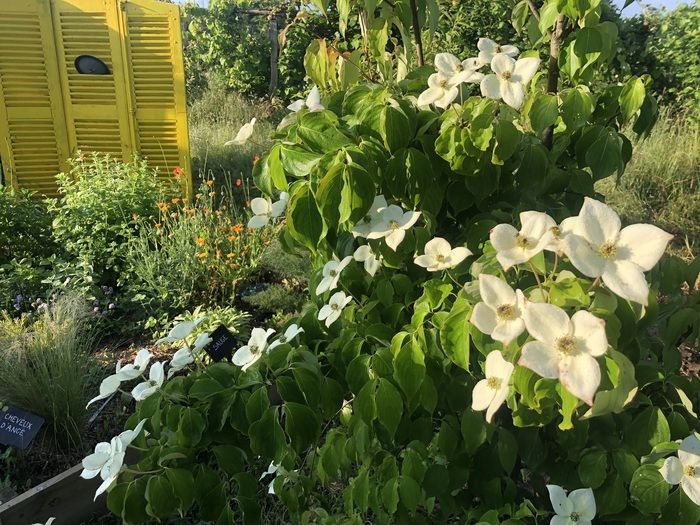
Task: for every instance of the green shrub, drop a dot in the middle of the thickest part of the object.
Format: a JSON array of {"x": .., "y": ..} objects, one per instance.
[
  {"x": 292, "y": 268},
  {"x": 661, "y": 184},
  {"x": 236, "y": 321},
  {"x": 46, "y": 368},
  {"x": 276, "y": 298},
  {"x": 103, "y": 201},
  {"x": 25, "y": 226},
  {"x": 194, "y": 255}
]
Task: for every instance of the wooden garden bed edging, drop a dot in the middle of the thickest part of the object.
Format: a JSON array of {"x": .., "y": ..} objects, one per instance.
[{"x": 67, "y": 497}]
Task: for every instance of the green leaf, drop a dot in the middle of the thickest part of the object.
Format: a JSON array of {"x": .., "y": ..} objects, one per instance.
[
  {"x": 473, "y": 430},
  {"x": 360, "y": 489},
  {"x": 620, "y": 370},
  {"x": 454, "y": 333},
  {"x": 576, "y": 108},
  {"x": 318, "y": 131},
  {"x": 298, "y": 162},
  {"x": 605, "y": 155},
  {"x": 395, "y": 128},
  {"x": 649, "y": 428},
  {"x": 160, "y": 497},
  {"x": 302, "y": 426},
  {"x": 267, "y": 437},
  {"x": 631, "y": 97},
  {"x": 390, "y": 495},
  {"x": 507, "y": 448},
  {"x": 357, "y": 193},
  {"x": 365, "y": 405},
  {"x": 648, "y": 489},
  {"x": 230, "y": 458},
  {"x": 191, "y": 427},
  {"x": 410, "y": 493},
  {"x": 679, "y": 509},
  {"x": 257, "y": 403},
  {"x": 409, "y": 368},
  {"x": 593, "y": 468},
  {"x": 543, "y": 112},
  {"x": 389, "y": 406},
  {"x": 182, "y": 481},
  {"x": 304, "y": 219},
  {"x": 611, "y": 497},
  {"x": 135, "y": 503},
  {"x": 507, "y": 141}
]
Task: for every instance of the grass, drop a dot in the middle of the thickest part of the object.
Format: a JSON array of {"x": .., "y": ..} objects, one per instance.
[
  {"x": 216, "y": 118},
  {"x": 45, "y": 368},
  {"x": 662, "y": 182}
]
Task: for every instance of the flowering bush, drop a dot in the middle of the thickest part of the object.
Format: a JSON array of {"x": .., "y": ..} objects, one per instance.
[{"x": 443, "y": 290}]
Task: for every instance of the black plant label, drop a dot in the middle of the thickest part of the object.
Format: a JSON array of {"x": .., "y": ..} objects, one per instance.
[
  {"x": 222, "y": 344},
  {"x": 18, "y": 427}
]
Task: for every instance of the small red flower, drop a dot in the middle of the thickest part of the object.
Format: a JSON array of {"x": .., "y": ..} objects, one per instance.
[
  {"x": 177, "y": 172},
  {"x": 239, "y": 182},
  {"x": 256, "y": 159}
]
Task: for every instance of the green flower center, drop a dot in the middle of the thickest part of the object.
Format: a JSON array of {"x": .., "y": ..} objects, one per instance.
[
  {"x": 506, "y": 75},
  {"x": 334, "y": 306},
  {"x": 440, "y": 258},
  {"x": 574, "y": 516},
  {"x": 498, "y": 49},
  {"x": 443, "y": 84},
  {"x": 494, "y": 382},
  {"x": 333, "y": 273},
  {"x": 152, "y": 382},
  {"x": 460, "y": 67},
  {"x": 367, "y": 219},
  {"x": 608, "y": 250},
  {"x": 566, "y": 345},
  {"x": 522, "y": 241},
  {"x": 282, "y": 339},
  {"x": 689, "y": 471},
  {"x": 254, "y": 349},
  {"x": 556, "y": 231},
  {"x": 394, "y": 225},
  {"x": 505, "y": 312}
]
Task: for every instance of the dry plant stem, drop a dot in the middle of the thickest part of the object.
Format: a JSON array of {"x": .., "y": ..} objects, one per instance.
[
  {"x": 553, "y": 71},
  {"x": 416, "y": 34},
  {"x": 594, "y": 285},
  {"x": 533, "y": 8},
  {"x": 537, "y": 277}
]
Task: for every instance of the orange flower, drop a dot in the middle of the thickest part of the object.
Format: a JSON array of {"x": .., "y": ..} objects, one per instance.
[
  {"x": 239, "y": 182},
  {"x": 176, "y": 200},
  {"x": 177, "y": 172},
  {"x": 202, "y": 255},
  {"x": 256, "y": 159},
  {"x": 200, "y": 241},
  {"x": 163, "y": 206},
  {"x": 210, "y": 182},
  {"x": 231, "y": 237}
]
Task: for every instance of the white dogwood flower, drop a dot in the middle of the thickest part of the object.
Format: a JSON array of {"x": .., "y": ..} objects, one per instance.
[
  {"x": 135, "y": 369},
  {"x": 370, "y": 221},
  {"x": 565, "y": 348},
  {"x": 489, "y": 49},
  {"x": 509, "y": 78},
  {"x": 578, "y": 508},
  {"x": 599, "y": 248},
  {"x": 156, "y": 376},
  {"x": 247, "y": 355},
  {"x": 264, "y": 210},
  {"x": 331, "y": 274},
  {"x": 108, "y": 458},
  {"x": 458, "y": 71},
  {"x": 556, "y": 235},
  {"x": 185, "y": 356},
  {"x": 331, "y": 311},
  {"x": 108, "y": 386},
  {"x": 516, "y": 247},
  {"x": 500, "y": 312},
  {"x": 439, "y": 255},
  {"x": 490, "y": 393},
  {"x": 372, "y": 262},
  {"x": 181, "y": 331},
  {"x": 312, "y": 102},
  {"x": 442, "y": 91},
  {"x": 685, "y": 469},
  {"x": 290, "y": 333},
  {"x": 392, "y": 225},
  {"x": 243, "y": 134}
]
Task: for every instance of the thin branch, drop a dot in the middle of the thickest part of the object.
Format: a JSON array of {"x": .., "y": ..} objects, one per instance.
[
  {"x": 553, "y": 71},
  {"x": 417, "y": 34},
  {"x": 534, "y": 10}
]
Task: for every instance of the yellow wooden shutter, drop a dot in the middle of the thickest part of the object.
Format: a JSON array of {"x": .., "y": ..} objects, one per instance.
[
  {"x": 97, "y": 107},
  {"x": 33, "y": 139},
  {"x": 154, "y": 54}
]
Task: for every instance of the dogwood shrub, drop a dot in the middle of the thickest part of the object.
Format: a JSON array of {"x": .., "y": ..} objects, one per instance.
[{"x": 463, "y": 265}]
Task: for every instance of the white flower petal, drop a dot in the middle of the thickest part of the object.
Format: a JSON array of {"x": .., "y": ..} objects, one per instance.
[
  {"x": 546, "y": 322},
  {"x": 512, "y": 93},
  {"x": 582, "y": 256},
  {"x": 503, "y": 237},
  {"x": 643, "y": 244},
  {"x": 510, "y": 50},
  {"x": 447, "y": 63},
  {"x": 626, "y": 280},
  {"x": 324, "y": 312},
  {"x": 672, "y": 470},
  {"x": 490, "y": 87},
  {"x": 296, "y": 105},
  {"x": 429, "y": 96},
  {"x": 589, "y": 332},
  {"x": 525, "y": 69},
  {"x": 598, "y": 223},
  {"x": 497, "y": 366},
  {"x": 486, "y": 44},
  {"x": 143, "y": 391},
  {"x": 502, "y": 63},
  {"x": 484, "y": 318},
  {"x": 584, "y": 503},
  {"x": 458, "y": 254},
  {"x": 506, "y": 331},
  {"x": 499, "y": 397},
  {"x": 242, "y": 356},
  {"x": 482, "y": 395},
  {"x": 260, "y": 206},
  {"x": 689, "y": 451},
  {"x": 560, "y": 503},
  {"x": 580, "y": 375},
  {"x": 395, "y": 238},
  {"x": 494, "y": 291},
  {"x": 691, "y": 487},
  {"x": 448, "y": 97},
  {"x": 541, "y": 359}
]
